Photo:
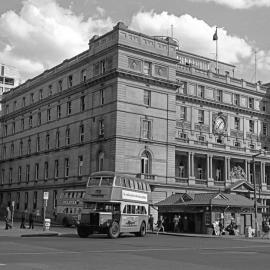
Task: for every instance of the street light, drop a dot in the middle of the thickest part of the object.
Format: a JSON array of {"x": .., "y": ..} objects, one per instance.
[{"x": 255, "y": 195}]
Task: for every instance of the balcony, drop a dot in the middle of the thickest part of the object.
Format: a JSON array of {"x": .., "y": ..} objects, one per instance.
[
  {"x": 219, "y": 183},
  {"x": 181, "y": 180},
  {"x": 146, "y": 176},
  {"x": 201, "y": 182}
]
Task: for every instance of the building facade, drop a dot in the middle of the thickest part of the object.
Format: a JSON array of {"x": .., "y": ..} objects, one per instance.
[{"x": 139, "y": 105}]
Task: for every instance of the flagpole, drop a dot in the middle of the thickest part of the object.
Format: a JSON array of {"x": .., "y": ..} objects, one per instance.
[{"x": 216, "y": 53}]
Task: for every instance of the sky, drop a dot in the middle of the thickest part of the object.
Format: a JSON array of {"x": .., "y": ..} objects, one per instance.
[{"x": 36, "y": 35}]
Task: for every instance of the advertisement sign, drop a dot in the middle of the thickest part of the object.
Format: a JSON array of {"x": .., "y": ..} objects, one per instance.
[
  {"x": 134, "y": 196},
  {"x": 130, "y": 221}
]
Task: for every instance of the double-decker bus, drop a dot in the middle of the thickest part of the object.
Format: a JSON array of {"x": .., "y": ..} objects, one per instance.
[
  {"x": 114, "y": 204},
  {"x": 70, "y": 206}
]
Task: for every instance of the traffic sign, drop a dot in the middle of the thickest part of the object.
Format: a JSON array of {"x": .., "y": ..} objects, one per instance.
[
  {"x": 13, "y": 203},
  {"x": 46, "y": 195}
]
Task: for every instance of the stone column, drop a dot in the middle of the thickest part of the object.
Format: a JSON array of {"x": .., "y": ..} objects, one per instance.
[
  {"x": 248, "y": 171},
  {"x": 226, "y": 168},
  {"x": 263, "y": 182},
  {"x": 189, "y": 165},
  {"x": 210, "y": 180},
  {"x": 191, "y": 173},
  {"x": 228, "y": 180}
]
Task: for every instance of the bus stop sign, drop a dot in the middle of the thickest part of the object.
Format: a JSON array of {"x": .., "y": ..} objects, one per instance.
[{"x": 46, "y": 195}]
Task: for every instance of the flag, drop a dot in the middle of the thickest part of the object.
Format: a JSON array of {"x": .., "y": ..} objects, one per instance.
[{"x": 215, "y": 36}]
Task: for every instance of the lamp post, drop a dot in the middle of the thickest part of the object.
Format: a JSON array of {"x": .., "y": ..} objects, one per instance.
[{"x": 255, "y": 195}]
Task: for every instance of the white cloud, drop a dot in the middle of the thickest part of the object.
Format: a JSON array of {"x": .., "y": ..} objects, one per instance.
[
  {"x": 239, "y": 4},
  {"x": 43, "y": 34}
]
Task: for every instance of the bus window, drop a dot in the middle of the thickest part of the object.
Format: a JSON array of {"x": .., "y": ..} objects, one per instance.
[
  {"x": 136, "y": 184},
  {"x": 143, "y": 210},
  {"x": 125, "y": 209},
  {"x": 131, "y": 183},
  {"x": 129, "y": 209},
  {"x": 133, "y": 209},
  {"x": 123, "y": 182},
  {"x": 139, "y": 185},
  {"x": 127, "y": 183},
  {"x": 144, "y": 186},
  {"x": 107, "y": 181},
  {"x": 94, "y": 181},
  {"x": 118, "y": 181},
  {"x": 73, "y": 194}
]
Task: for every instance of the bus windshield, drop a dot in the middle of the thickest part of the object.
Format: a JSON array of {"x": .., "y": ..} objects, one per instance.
[
  {"x": 100, "y": 180},
  {"x": 102, "y": 207}
]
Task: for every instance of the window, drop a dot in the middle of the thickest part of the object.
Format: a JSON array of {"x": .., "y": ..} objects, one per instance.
[
  {"x": 102, "y": 66},
  {"x": 48, "y": 115},
  {"x": 56, "y": 168},
  {"x": 32, "y": 98},
  {"x": 146, "y": 163},
  {"x": 200, "y": 116},
  {"x": 47, "y": 141},
  {"x": 200, "y": 91},
  {"x": 237, "y": 144},
  {"x": 147, "y": 97},
  {"x": 80, "y": 160},
  {"x": 83, "y": 75},
  {"x": 101, "y": 161},
  {"x": 200, "y": 172},
  {"x": 66, "y": 167},
  {"x": 2, "y": 177},
  {"x": 181, "y": 170},
  {"x": 69, "y": 108},
  {"x": 35, "y": 200},
  {"x": 10, "y": 176},
  {"x": 25, "y": 200},
  {"x": 147, "y": 130},
  {"x": 18, "y": 198},
  {"x": 58, "y": 111},
  {"x": 265, "y": 129},
  {"x": 70, "y": 81},
  {"x": 236, "y": 99},
  {"x": 251, "y": 103},
  {"x": 30, "y": 121},
  {"x": 134, "y": 64},
  {"x": 19, "y": 174},
  {"x": 36, "y": 171},
  {"x": 101, "y": 127},
  {"x": 54, "y": 199},
  {"x": 29, "y": 146},
  {"x": 39, "y": 119},
  {"x": 183, "y": 113},
  {"x": 237, "y": 123},
  {"x": 219, "y": 95},
  {"x": 7, "y": 109},
  {"x": 218, "y": 174},
  {"x": 4, "y": 152},
  {"x": 22, "y": 124},
  {"x": 67, "y": 136},
  {"x": 82, "y": 103},
  {"x": 81, "y": 133},
  {"x": 14, "y": 105},
  {"x": 46, "y": 170},
  {"x": 13, "y": 128},
  {"x": 21, "y": 148},
  {"x": 263, "y": 106},
  {"x": 147, "y": 68},
  {"x": 23, "y": 102},
  {"x": 201, "y": 138},
  {"x": 60, "y": 85},
  {"x": 5, "y": 129},
  {"x": 50, "y": 90},
  {"x": 96, "y": 68},
  {"x": 27, "y": 173},
  {"x": 57, "y": 139},
  {"x": 40, "y": 94},
  {"x": 12, "y": 150},
  {"x": 101, "y": 94},
  {"x": 251, "y": 126}
]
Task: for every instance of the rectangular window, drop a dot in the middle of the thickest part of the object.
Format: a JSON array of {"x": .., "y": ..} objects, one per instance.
[
  {"x": 40, "y": 94},
  {"x": 183, "y": 113},
  {"x": 200, "y": 91},
  {"x": 5, "y": 129},
  {"x": 96, "y": 69},
  {"x": 48, "y": 141},
  {"x": 21, "y": 148},
  {"x": 101, "y": 94},
  {"x": 237, "y": 144},
  {"x": 219, "y": 95},
  {"x": 29, "y": 147},
  {"x": 35, "y": 200},
  {"x": 101, "y": 127},
  {"x": 54, "y": 199},
  {"x": 23, "y": 102},
  {"x": 14, "y": 105},
  {"x": 102, "y": 66},
  {"x": 2, "y": 176},
  {"x": 237, "y": 123},
  {"x": 67, "y": 136},
  {"x": 70, "y": 81},
  {"x": 25, "y": 200},
  {"x": 263, "y": 106},
  {"x": 32, "y": 98},
  {"x": 66, "y": 167},
  {"x": 251, "y": 103},
  {"x": 56, "y": 169},
  {"x": 80, "y": 160},
  {"x": 60, "y": 85},
  {"x": 50, "y": 90},
  {"x": 83, "y": 75},
  {"x": 134, "y": 64},
  {"x": 39, "y": 119},
  {"x": 81, "y": 133},
  {"x": 22, "y": 124},
  {"x": 236, "y": 99},
  {"x": 12, "y": 150},
  {"x": 200, "y": 116},
  {"x": 265, "y": 129},
  {"x": 30, "y": 121},
  {"x": 69, "y": 108},
  {"x": 57, "y": 139},
  {"x": 48, "y": 115},
  {"x": 147, "y": 68},
  {"x": 18, "y": 198},
  {"x": 146, "y": 130},
  {"x": 27, "y": 173},
  {"x": 4, "y": 152},
  {"x": 10, "y": 176},
  {"x": 58, "y": 111},
  {"x": 13, "y": 128},
  {"x": 36, "y": 171},
  {"x": 19, "y": 174},
  {"x": 251, "y": 126},
  {"x": 147, "y": 97},
  {"x": 46, "y": 170},
  {"x": 82, "y": 103},
  {"x": 7, "y": 109}
]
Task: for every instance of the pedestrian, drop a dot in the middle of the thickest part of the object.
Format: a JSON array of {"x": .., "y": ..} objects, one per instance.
[
  {"x": 31, "y": 220},
  {"x": 8, "y": 218},
  {"x": 175, "y": 223},
  {"x": 151, "y": 223},
  {"x": 266, "y": 229},
  {"x": 160, "y": 225},
  {"x": 180, "y": 224},
  {"x": 23, "y": 220}
]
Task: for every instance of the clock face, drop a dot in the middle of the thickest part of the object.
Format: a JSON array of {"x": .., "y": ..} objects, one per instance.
[{"x": 219, "y": 125}]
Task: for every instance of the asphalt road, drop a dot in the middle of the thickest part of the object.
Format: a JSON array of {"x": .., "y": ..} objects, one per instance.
[{"x": 131, "y": 253}]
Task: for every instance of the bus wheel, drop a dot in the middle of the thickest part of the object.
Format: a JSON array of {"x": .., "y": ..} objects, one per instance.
[
  {"x": 142, "y": 231},
  {"x": 82, "y": 232},
  {"x": 114, "y": 230}
]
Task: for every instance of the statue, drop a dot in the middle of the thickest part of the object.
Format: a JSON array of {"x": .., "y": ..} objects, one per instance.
[{"x": 237, "y": 172}]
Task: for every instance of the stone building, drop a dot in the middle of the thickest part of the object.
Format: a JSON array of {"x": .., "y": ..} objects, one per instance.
[{"x": 135, "y": 104}]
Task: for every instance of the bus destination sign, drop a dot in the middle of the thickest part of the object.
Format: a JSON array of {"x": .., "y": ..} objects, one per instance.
[{"x": 134, "y": 196}]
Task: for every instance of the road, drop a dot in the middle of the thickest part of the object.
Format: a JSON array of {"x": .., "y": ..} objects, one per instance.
[{"x": 160, "y": 252}]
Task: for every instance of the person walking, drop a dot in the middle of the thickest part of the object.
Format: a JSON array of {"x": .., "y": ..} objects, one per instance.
[
  {"x": 23, "y": 220},
  {"x": 266, "y": 229},
  {"x": 160, "y": 225},
  {"x": 151, "y": 223},
  {"x": 8, "y": 218},
  {"x": 175, "y": 223},
  {"x": 31, "y": 220}
]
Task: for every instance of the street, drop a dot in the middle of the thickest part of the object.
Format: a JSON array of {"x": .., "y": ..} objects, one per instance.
[{"x": 128, "y": 252}]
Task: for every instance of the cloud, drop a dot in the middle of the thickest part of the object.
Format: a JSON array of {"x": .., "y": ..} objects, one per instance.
[
  {"x": 239, "y": 4},
  {"x": 43, "y": 34}
]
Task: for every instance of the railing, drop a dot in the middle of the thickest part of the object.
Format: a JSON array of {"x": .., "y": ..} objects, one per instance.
[
  {"x": 237, "y": 148},
  {"x": 181, "y": 180},
  {"x": 219, "y": 183},
  {"x": 201, "y": 143},
  {"x": 200, "y": 181},
  {"x": 217, "y": 145},
  {"x": 146, "y": 176}
]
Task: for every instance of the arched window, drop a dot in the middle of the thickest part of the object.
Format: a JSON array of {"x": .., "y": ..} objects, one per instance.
[
  {"x": 146, "y": 163},
  {"x": 100, "y": 161}
]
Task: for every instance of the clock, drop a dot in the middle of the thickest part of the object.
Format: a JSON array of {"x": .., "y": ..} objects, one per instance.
[{"x": 219, "y": 125}]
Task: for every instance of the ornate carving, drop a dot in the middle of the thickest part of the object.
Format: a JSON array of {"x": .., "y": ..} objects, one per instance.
[{"x": 238, "y": 172}]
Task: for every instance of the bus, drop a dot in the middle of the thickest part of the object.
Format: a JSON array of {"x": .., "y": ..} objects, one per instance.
[
  {"x": 70, "y": 205},
  {"x": 114, "y": 204}
]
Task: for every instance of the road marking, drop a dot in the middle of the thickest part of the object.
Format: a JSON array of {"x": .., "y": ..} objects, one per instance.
[{"x": 2, "y": 264}]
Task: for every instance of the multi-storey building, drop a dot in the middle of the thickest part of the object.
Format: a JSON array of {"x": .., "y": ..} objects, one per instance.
[{"x": 135, "y": 104}]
